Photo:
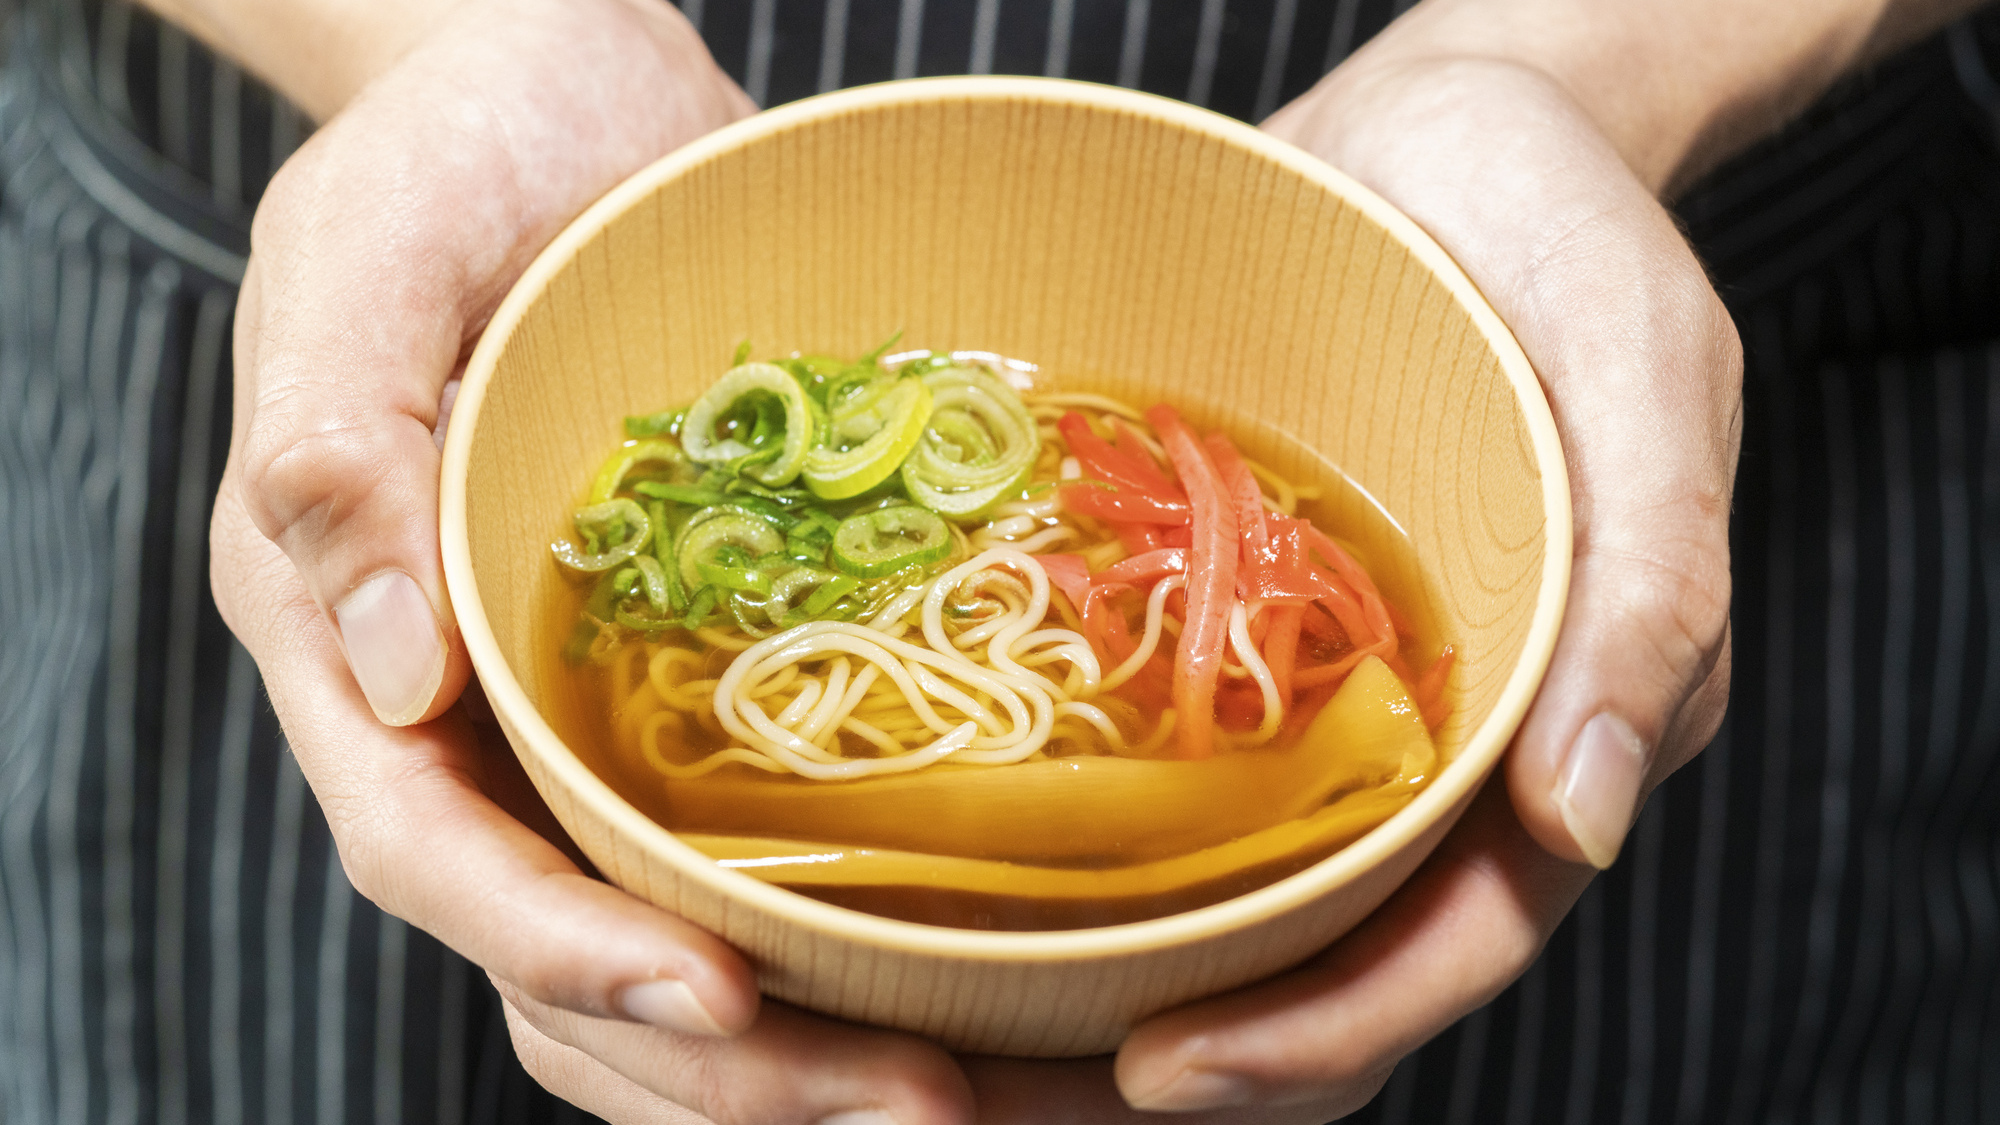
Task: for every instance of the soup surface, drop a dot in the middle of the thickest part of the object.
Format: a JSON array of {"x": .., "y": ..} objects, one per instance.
[{"x": 922, "y": 635}]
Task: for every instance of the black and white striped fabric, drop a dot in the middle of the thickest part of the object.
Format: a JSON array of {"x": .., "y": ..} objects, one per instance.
[{"x": 1806, "y": 923}]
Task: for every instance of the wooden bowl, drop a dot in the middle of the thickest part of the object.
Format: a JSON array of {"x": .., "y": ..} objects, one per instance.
[{"x": 1132, "y": 244}]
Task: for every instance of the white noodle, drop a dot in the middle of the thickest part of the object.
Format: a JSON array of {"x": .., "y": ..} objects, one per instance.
[
  {"x": 1156, "y": 612},
  {"x": 1239, "y": 639}
]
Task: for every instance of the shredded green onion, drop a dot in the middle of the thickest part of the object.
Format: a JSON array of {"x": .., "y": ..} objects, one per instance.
[
  {"x": 882, "y": 542},
  {"x": 978, "y": 449}
]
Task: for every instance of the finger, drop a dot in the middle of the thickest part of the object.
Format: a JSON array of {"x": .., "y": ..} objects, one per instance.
[
  {"x": 383, "y": 246},
  {"x": 1083, "y": 1092},
  {"x": 419, "y": 833},
  {"x": 588, "y": 1084},
  {"x": 791, "y": 1068},
  {"x": 1472, "y": 919},
  {"x": 1643, "y": 372}
]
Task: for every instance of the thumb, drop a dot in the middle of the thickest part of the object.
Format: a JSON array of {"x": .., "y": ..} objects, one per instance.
[{"x": 381, "y": 248}]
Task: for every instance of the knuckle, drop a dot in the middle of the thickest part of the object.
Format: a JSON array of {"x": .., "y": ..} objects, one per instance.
[
  {"x": 1678, "y": 591},
  {"x": 301, "y": 473}
]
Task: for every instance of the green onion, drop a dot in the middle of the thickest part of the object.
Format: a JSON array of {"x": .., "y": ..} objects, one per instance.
[
  {"x": 640, "y": 623},
  {"x": 734, "y": 577},
  {"x": 887, "y": 540},
  {"x": 612, "y": 473},
  {"x": 979, "y": 447},
  {"x": 621, "y": 524},
  {"x": 718, "y": 530},
  {"x": 699, "y": 609},
  {"x": 755, "y": 420},
  {"x": 653, "y": 580},
  {"x": 871, "y": 433},
  {"x": 679, "y": 493},
  {"x": 666, "y": 422}
]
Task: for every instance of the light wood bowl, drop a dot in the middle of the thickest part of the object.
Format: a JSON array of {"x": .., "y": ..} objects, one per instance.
[{"x": 1129, "y": 243}]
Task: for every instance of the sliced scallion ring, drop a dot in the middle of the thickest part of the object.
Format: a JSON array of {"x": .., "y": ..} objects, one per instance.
[
  {"x": 887, "y": 540},
  {"x": 978, "y": 446},
  {"x": 614, "y": 531},
  {"x": 869, "y": 437},
  {"x": 714, "y": 528},
  {"x": 767, "y": 422},
  {"x": 612, "y": 473}
]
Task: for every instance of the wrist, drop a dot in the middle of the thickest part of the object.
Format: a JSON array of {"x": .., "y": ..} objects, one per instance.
[
  {"x": 317, "y": 53},
  {"x": 1674, "y": 86},
  {"x": 321, "y": 53}
]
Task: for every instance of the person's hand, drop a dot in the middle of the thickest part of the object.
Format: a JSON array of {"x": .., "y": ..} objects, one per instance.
[
  {"x": 1642, "y": 368},
  {"x": 379, "y": 252}
]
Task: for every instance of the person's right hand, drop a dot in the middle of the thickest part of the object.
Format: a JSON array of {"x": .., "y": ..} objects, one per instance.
[{"x": 379, "y": 252}]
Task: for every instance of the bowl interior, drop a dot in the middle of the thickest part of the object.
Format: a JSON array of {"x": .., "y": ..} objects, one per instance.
[{"x": 1122, "y": 244}]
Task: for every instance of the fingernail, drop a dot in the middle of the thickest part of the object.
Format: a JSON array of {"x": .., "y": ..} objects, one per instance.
[
  {"x": 1196, "y": 1089},
  {"x": 668, "y": 1004},
  {"x": 858, "y": 1117},
  {"x": 393, "y": 646},
  {"x": 1598, "y": 790}
]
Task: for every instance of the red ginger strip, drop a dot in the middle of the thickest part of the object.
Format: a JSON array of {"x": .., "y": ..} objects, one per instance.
[
  {"x": 1148, "y": 568},
  {"x": 1211, "y": 584},
  {"x": 1281, "y": 647},
  {"x": 1071, "y": 575},
  {"x": 1241, "y": 484}
]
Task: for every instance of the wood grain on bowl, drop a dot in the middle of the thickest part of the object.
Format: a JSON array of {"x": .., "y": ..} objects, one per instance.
[{"x": 1133, "y": 245}]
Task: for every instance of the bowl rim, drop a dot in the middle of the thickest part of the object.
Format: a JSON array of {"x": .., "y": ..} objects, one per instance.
[{"x": 1456, "y": 784}]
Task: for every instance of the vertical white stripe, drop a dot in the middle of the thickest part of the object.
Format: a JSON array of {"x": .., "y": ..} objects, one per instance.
[
  {"x": 114, "y": 38},
  {"x": 176, "y": 115},
  {"x": 1774, "y": 744},
  {"x": 287, "y": 129},
  {"x": 89, "y": 378},
  {"x": 1062, "y": 24},
  {"x": 833, "y": 45},
  {"x": 1588, "y": 928},
  {"x": 1949, "y": 779},
  {"x": 1277, "y": 51},
  {"x": 1340, "y": 41},
  {"x": 1524, "y": 1083},
  {"x": 121, "y": 986},
  {"x": 1463, "y": 1102},
  {"x": 187, "y": 580},
  {"x": 1641, "y": 955},
  {"x": 692, "y": 10},
  {"x": 1882, "y": 877},
  {"x": 281, "y": 888},
  {"x": 453, "y": 978},
  {"x": 1704, "y": 924},
  {"x": 985, "y": 30},
  {"x": 225, "y": 135},
  {"x": 757, "y": 70},
  {"x": 1836, "y": 786},
  {"x": 1973, "y": 1005},
  {"x": 227, "y": 1080},
  {"x": 33, "y": 961},
  {"x": 1132, "y": 51},
  {"x": 1399, "y": 1097},
  {"x": 909, "y": 38},
  {"x": 1979, "y": 886},
  {"x": 391, "y": 954},
  {"x": 72, "y": 658},
  {"x": 336, "y": 925},
  {"x": 1207, "y": 47}
]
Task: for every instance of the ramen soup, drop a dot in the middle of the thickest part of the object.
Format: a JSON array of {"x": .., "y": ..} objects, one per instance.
[{"x": 923, "y": 636}]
